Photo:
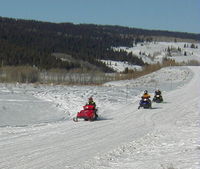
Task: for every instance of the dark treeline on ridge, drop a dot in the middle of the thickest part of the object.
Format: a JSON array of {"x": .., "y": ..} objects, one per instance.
[{"x": 35, "y": 43}]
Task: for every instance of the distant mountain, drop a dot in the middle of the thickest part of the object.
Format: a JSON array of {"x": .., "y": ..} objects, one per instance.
[{"x": 68, "y": 46}]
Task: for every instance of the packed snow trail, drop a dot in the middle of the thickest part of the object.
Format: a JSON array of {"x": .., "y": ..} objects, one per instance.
[
  {"x": 173, "y": 141},
  {"x": 66, "y": 144}
]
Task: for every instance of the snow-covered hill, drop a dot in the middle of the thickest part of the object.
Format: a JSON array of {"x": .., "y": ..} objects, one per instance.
[
  {"x": 153, "y": 52},
  {"x": 120, "y": 66},
  {"x": 38, "y": 132}
]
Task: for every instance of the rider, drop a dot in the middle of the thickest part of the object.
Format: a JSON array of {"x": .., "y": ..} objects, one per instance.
[
  {"x": 91, "y": 102},
  {"x": 146, "y": 95},
  {"x": 158, "y": 92}
]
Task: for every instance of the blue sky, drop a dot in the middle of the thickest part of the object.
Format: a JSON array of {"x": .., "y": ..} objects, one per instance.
[{"x": 172, "y": 15}]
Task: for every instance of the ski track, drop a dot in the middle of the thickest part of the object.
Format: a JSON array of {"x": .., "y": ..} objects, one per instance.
[{"x": 164, "y": 137}]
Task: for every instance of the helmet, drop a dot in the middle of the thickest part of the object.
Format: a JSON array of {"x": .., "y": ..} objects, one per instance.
[
  {"x": 145, "y": 92},
  {"x": 90, "y": 99}
]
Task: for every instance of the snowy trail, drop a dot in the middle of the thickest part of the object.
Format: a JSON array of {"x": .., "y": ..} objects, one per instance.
[
  {"x": 67, "y": 143},
  {"x": 174, "y": 138},
  {"x": 113, "y": 141}
]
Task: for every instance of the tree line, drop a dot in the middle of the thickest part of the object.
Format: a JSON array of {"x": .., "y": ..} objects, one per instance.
[{"x": 30, "y": 42}]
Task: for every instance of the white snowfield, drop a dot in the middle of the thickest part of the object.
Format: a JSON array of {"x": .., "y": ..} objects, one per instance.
[
  {"x": 119, "y": 66},
  {"x": 154, "y": 52},
  {"x": 164, "y": 137}
]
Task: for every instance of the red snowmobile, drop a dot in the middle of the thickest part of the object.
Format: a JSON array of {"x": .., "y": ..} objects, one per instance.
[{"x": 88, "y": 113}]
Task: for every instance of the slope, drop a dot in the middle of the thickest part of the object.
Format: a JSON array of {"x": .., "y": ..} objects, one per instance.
[{"x": 65, "y": 144}]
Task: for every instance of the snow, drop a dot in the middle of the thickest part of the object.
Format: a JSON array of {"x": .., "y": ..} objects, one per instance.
[
  {"x": 164, "y": 79},
  {"x": 154, "y": 52},
  {"x": 120, "y": 66},
  {"x": 20, "y": 107},
  {"x": 37, "y": 130}
]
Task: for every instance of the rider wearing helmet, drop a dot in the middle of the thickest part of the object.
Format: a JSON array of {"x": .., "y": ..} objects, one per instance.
[
  {"x": 91, "y": 102},
  {"x": 146, "y": 95},
  {"x": 158, "y": 95},
  {"x": 158, "y": 92}
]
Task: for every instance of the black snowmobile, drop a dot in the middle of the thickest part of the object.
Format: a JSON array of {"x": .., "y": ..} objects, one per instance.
[{"x": 158, "y": 98}]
